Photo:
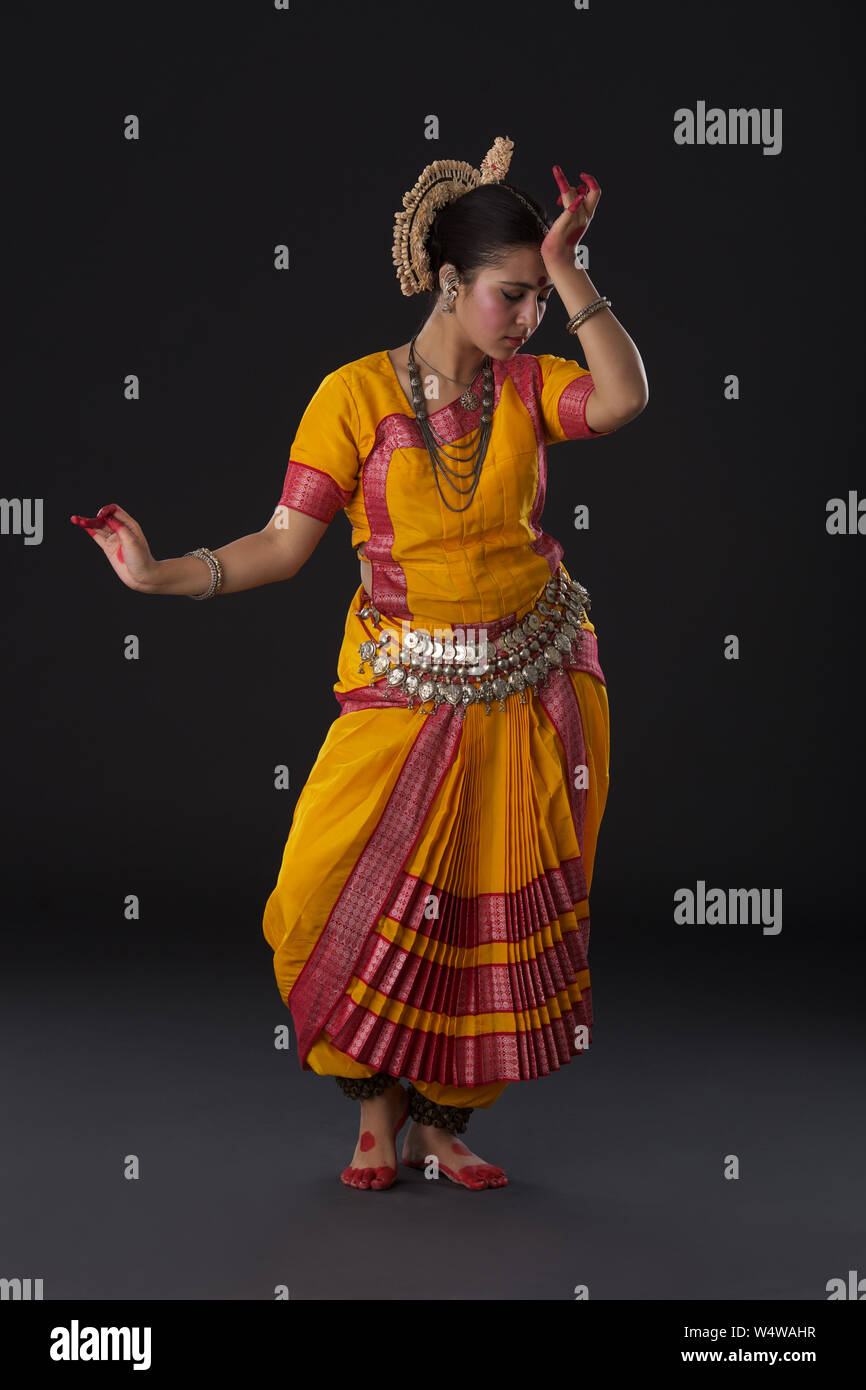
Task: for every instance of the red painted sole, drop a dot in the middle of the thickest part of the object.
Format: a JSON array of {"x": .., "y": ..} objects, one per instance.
[{"x": 452, "y": 1176}]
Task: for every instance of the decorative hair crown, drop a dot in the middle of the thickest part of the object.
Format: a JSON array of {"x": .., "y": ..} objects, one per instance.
[{"x": 442, "y": 182}]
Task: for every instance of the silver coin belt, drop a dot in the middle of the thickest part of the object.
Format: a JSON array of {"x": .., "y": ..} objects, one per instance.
[{"x": 519, "y": 659}]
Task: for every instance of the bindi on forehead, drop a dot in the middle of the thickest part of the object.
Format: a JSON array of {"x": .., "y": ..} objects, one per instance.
[{"x": 542, "y": 280}]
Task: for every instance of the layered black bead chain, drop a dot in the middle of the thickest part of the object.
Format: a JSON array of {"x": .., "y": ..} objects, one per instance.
[{"x": 434, "y": 442}]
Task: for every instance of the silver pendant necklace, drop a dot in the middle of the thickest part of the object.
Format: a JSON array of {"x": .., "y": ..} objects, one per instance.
[{"x": 468, "y": 400}]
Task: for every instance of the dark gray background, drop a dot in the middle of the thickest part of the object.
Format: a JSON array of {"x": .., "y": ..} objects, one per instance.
[{"x": 155, "y": 777}]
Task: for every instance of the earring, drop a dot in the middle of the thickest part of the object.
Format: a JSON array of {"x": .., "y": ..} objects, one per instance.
[{"x": 449, "y": 292}]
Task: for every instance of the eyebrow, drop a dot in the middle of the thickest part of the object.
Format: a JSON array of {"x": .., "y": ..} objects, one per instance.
[{"x": 523, "y": 285}]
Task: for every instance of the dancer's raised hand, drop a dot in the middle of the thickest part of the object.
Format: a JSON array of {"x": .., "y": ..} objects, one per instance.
[{"x": 578, "y": 204}]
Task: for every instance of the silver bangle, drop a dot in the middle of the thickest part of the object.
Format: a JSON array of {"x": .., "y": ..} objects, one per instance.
[
  {"x": 583, "y": 314},
  {"x": 216, "y": 572}
]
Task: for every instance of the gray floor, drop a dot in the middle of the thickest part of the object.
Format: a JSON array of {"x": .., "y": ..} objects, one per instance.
[{"x": 616, "y": 1162}]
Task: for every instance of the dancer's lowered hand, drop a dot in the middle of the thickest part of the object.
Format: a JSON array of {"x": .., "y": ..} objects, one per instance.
[{"x": 124, "y": 544}]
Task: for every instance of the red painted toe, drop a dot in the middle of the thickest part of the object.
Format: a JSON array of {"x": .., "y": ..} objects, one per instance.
[
  {"x": 384, "y": 1177},
  {"x": 475, "y": 1174}
]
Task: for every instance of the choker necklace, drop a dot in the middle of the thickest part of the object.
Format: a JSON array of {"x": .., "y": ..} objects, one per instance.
[{"x": 433, "y": 441}]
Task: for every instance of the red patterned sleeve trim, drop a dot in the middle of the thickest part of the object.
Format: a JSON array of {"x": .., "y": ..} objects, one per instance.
[
  {"x": 309, "y": 490},
  {"x": 572, "y": 409}
]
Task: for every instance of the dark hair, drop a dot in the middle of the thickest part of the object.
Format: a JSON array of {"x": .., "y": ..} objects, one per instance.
[{"x": 479, "y": 228}]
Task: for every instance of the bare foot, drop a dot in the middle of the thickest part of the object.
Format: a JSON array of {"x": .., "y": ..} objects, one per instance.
[
  {"x": 374, "y": 1162},
  {"x": 456, "y": 1161}
]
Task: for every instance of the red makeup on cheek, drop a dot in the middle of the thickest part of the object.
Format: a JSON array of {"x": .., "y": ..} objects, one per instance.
[
  {"x": 366, "y": 1141},
  {"x": 492, "y": 313}
]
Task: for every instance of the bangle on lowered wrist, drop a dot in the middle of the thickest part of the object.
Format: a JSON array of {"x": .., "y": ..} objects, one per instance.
[{"x": 216, "y": 572}]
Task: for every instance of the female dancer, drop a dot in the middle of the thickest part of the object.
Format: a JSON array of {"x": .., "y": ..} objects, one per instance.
[{"x": 430, "y": 920}]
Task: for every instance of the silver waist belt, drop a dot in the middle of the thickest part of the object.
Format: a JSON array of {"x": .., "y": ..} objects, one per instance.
[{"x": 520, "y": 657}]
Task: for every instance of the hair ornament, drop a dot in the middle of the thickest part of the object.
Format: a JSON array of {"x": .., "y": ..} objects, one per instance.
[{"x": 441, "y": 182}]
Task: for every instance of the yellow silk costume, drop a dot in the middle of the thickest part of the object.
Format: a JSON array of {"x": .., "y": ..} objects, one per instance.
[{"x": 431, "y": 914}]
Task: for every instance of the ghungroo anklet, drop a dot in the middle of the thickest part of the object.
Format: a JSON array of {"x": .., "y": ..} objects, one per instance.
[
  {"x": 426, "y": 1112},
  {"x": 365, "y": 1087}
]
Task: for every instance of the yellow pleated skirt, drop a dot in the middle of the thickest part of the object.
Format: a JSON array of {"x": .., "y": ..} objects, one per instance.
[{"x": 430, "y": 918}]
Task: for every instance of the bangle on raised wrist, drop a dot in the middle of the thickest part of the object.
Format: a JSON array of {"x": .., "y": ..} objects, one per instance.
[{"x": 583, "y": 314}]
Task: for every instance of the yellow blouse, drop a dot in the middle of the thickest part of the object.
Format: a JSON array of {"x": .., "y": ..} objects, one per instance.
[{"x": 358, "y": 447}]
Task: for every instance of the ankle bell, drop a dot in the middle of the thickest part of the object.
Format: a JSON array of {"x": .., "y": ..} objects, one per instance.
[
  {"x": 365, "y": 1087},
  {"x": 426, "y": 1112}
]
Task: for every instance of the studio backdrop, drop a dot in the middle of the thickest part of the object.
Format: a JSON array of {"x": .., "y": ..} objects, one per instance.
[{"x": 202, "y": 207}]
